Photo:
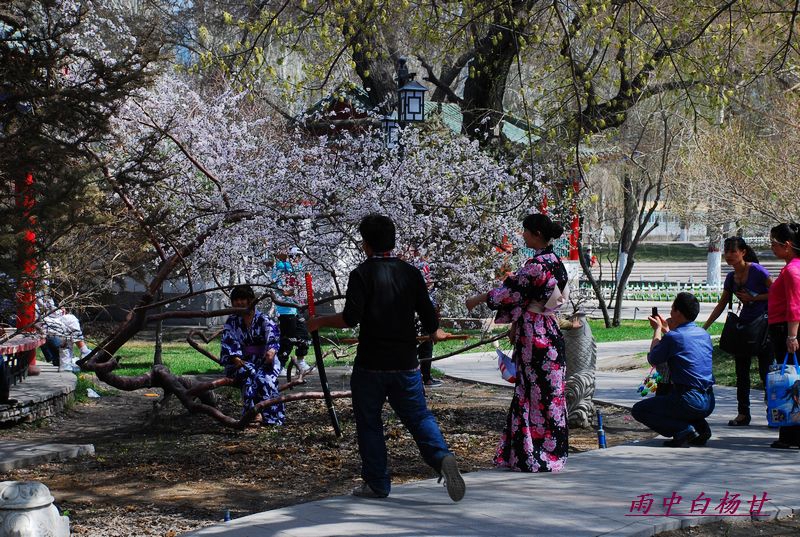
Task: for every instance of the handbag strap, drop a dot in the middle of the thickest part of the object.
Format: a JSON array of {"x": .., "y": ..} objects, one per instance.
[
  {"x": 730, "y": 295},
  {"x": 786, "y": 359}
]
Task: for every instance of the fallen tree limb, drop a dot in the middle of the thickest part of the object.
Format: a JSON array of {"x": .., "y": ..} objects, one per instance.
[
  {"x": 467, "y": 348},
  {"x": 251, "y": 414},
  {"x": 420, "y": 339},
  {"x": 196, "y": 346},
  {"x": 196, "y": 397}
]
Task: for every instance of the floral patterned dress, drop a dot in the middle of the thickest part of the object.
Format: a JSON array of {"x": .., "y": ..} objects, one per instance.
[{"x": 535, "y": 437}]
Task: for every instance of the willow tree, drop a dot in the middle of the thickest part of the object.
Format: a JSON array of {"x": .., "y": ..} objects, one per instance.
[{"x": 569, "y": 69}]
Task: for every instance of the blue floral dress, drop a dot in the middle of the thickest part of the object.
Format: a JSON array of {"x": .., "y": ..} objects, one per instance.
[
  {"x": 535, "y": 437},
  {"x": 257, "y": 377}
]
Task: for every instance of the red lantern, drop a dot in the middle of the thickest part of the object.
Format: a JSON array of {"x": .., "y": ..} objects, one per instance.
[
  {"x": 576, "y": 224},
  {"x": 26, "y": 257}
]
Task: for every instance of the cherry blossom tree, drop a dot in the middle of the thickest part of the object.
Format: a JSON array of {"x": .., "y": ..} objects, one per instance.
[{"x": 214, "y": 184}]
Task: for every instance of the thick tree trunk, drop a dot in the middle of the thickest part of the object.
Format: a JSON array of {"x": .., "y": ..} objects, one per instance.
[
  {"x": 376, "y": 73},
  {"x": 714, "y": 258},
  {"x": 485, "y": 88},
  {"x": 376, "y": 69}
]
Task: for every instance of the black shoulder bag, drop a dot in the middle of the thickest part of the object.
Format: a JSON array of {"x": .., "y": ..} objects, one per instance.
[{"x": 743, "y": 339}]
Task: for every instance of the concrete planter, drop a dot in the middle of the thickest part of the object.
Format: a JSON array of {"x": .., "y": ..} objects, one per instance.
[{"x": 27, "y": 510}]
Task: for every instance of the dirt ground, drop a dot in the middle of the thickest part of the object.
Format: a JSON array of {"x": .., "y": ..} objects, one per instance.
[
  {"x": 789, "y": 527},
  {"x": 183, "y": 472}
]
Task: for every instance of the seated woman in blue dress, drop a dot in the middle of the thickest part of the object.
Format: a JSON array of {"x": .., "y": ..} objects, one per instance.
[{"x": 249, "y": 345}]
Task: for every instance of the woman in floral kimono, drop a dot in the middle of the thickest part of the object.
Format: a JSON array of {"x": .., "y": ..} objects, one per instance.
[{"x": 535, "y": 435}]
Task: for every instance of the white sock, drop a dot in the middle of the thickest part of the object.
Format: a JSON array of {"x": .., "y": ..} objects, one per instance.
[{"x": 65, "y": 356}]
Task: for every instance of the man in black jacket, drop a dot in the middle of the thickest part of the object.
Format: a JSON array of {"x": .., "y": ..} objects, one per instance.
[{"x": 383, "y": 295}]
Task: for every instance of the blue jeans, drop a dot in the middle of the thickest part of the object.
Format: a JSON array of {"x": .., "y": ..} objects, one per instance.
[
  {"x": 51, "y": 349},
  {"x": 404, "y": 390},
  {"x": 676, "y": 414}
]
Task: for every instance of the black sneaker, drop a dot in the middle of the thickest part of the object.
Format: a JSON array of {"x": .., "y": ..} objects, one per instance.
[
  {"x": 701, "y": 439},
  {"x": 452, "y": 478},
  {"x": 703, "y": 434},
  {"x": 683, "y": 441},
  {"x": 433, "y": 383},
  {"x": 365, "y": 491}
]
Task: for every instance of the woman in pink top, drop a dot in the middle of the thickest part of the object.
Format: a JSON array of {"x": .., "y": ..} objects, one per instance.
[{"x": 784, "y": 309}]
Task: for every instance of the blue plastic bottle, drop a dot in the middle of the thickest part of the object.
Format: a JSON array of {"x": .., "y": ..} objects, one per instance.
[{"x": 601, "y": 434}]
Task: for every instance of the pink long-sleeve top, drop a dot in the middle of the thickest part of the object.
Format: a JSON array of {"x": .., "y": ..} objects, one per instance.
[{"x": 784, "y": 294}]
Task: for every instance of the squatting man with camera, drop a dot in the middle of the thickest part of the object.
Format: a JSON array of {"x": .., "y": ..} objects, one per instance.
[{"x": 680, "y": 408}]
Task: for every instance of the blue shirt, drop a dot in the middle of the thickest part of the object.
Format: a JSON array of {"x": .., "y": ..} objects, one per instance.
[
  {"x": 687, "y": 352},
  {"x": 287, "y": 276},
  {"x": 249, "y": 345}
]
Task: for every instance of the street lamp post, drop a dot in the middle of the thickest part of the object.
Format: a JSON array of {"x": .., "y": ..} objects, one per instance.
[{"x": 410, "y": 104}]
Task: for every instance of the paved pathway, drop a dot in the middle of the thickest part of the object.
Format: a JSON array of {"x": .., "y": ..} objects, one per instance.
[
  {"x": 23, "y": 454},
  {"x": 591, "y": 497},
  {"x": 39, "y": 396}
]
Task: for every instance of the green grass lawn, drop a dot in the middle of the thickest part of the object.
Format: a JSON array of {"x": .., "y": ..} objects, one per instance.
[
  {"x": 631, "y": 330},
  {"x": 136, "y": 356},
  {"x": 83, "y": 384},
  {"x": 664, "y": 252},
  {"x": 725, "y": 369}
]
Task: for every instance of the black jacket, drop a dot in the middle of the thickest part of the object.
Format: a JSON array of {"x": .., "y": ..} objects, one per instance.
[{"x": 383, "y": 294}]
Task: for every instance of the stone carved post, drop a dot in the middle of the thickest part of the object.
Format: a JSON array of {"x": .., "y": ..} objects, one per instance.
[
  {"x": 27, "y": 510},
  {"x": 581, "y": 351}
]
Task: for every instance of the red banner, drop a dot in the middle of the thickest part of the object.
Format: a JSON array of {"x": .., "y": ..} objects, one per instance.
[{"x": 310, "y": 295}]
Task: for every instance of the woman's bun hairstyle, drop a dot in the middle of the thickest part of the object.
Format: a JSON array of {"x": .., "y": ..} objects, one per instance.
[
  {"x": 542, "y": 224},
  {"x": 556, "y": 230}
]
